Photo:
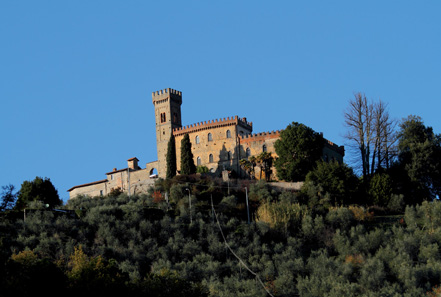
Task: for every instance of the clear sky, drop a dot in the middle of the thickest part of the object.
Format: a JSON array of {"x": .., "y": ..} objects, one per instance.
[{"x": 76, "y": 77}]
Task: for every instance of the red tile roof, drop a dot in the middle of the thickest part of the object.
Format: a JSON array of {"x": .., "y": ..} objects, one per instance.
[{"x": 88, "y": 184}]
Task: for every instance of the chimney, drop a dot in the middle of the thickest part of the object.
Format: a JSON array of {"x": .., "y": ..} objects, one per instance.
[{"x": 132, "y": 163}]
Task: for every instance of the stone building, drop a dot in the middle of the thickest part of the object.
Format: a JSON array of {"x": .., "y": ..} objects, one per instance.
[
  {"x": 217, "y": 144},
  {"x": 132, "y": 180}
]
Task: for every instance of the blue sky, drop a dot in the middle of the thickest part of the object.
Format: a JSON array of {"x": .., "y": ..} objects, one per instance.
[{"x": 76, "y": 77}]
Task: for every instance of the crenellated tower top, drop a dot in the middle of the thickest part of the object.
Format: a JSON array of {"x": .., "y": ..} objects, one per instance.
[
  {"x": 167, "y": 104},
  {"x": 165, "y": 94}
]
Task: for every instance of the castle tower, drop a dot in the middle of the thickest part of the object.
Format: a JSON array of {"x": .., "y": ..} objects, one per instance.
[{"x": 167, "y": 104}]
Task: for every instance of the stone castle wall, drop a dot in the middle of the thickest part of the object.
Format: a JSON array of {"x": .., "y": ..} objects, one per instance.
[
  {"x": 217, "y": 144},
  {"x": 214, "y": 143}
]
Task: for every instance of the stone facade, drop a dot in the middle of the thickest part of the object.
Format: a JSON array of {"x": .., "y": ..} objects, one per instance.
[
  {"x": 132, "y": 180},
  {"x": 217, "y": 144},
  {"x": 214, "y": 143}
]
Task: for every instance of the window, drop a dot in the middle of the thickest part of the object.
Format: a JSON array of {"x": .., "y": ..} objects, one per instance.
[
  {"x": 163, "y": 117},
  {"x": 228, "y": 134},
  {"x": 228, "y": 155},
  {"x": 264, "y": 148},
  {"x": 248, "y": 152},
  {"x": 210, "y": 137},
  {"x": 111, "y": 177},
  {"x": 198, "y": 161},
  {"x": 210, "y": 158},
  {"x": 197, "y": 139},
  {"x": 101, "y": 193}
]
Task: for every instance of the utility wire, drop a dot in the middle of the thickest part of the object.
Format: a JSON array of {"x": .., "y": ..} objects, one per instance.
[{"x": 240, "y": 260}]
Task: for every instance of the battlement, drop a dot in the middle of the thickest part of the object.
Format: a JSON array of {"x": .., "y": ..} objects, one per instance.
[
  {"x": 166, "y": 93},
  {"x": 213, "y": 124},
  {"x": 260, "y": 136},
  {"x": 339, "y": 148}
]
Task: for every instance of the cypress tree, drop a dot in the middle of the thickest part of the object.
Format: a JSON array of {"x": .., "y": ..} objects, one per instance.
[
  {"x": 171, "y": 158},
  {"x": 187, "y": 161}
]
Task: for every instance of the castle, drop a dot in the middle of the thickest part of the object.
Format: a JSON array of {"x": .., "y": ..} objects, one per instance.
[{"x": 218, "y": 145}]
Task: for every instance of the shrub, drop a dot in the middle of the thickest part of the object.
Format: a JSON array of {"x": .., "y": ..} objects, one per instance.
[
  {"x": 340, "y": 217},
  {"x": 281, "y": 216}
]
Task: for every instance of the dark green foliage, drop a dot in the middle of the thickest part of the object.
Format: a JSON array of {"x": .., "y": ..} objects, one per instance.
[
  {"x": 168, "y": 284},
  {"x": 126, "y": 250},
  {"x": 337, "y": 180},
  {"x": 202, "y": 169},
  {"x": 380, "y": 189},
  {"x": 187, "y": 161},
  {"x": 171, "y": 158},
  {"x": 38, "y": 190},
  {"x": 298, "y": 149},
  {"x": 420, "y": 159}
]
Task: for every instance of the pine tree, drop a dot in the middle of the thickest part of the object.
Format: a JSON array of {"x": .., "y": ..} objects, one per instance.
[
  {"x": 171, "y": 158},
  {"x": 187, "y": 161}
]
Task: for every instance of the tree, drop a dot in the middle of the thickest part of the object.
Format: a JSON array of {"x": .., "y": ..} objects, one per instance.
[
  {"x": 248, "y": 165},
  {"x": 298, "y": 149},
  {"x": 420, "y": 158},
  {"x": 29, "y": 275},
  {"x": 202, "y": 169},
  {"x": 8, "y": 197},
  {"x": 187, "y": 161},
  {"x": 337, "y": 180},
  {"x": 37, "y": 190},
  {"x": 171, "y": 158},
  {"x": 380, "y": 189},
  {"x": 265, "y": 161},
  {"x": 371, "y": 133}
]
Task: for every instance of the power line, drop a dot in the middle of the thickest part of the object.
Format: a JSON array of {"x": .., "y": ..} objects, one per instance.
[{"x": 234, "y": 254}]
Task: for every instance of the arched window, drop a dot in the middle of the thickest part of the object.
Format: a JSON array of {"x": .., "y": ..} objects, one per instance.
[
  {"x": 198, "y": 161},
  {"x": 228, "y": 134},
  {"x": 210, "y": 137},
  {"x": 210, "y": 158},
  {"x": 248, "y": 152},
  {"x": 264, "y": 148},
  {"x": 197, "y": 139}
]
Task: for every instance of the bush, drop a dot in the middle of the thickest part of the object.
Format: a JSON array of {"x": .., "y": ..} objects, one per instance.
[
  {"x": 282, "y": 216},
  {"x": 340, "y": 218}
]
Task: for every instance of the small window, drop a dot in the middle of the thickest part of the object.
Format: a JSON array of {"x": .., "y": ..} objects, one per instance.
[
  {"x": 101, "y": 193},
  {"x": 210, "y": 137},
  {"x": 228, "y": 134},
  {"x": 196, "y": 139},
  {"x": 210, "y": 158},
  {"x": 198, "y": 161},
  {"x": 248, "y": 152},
  {"x": 264, "y": 148},
  {"x": 163, "y": 117},
  {"x": 111, "y": 177}
]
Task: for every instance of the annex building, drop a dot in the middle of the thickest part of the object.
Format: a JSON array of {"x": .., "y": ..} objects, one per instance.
[{"x": 217, "y": 144}]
